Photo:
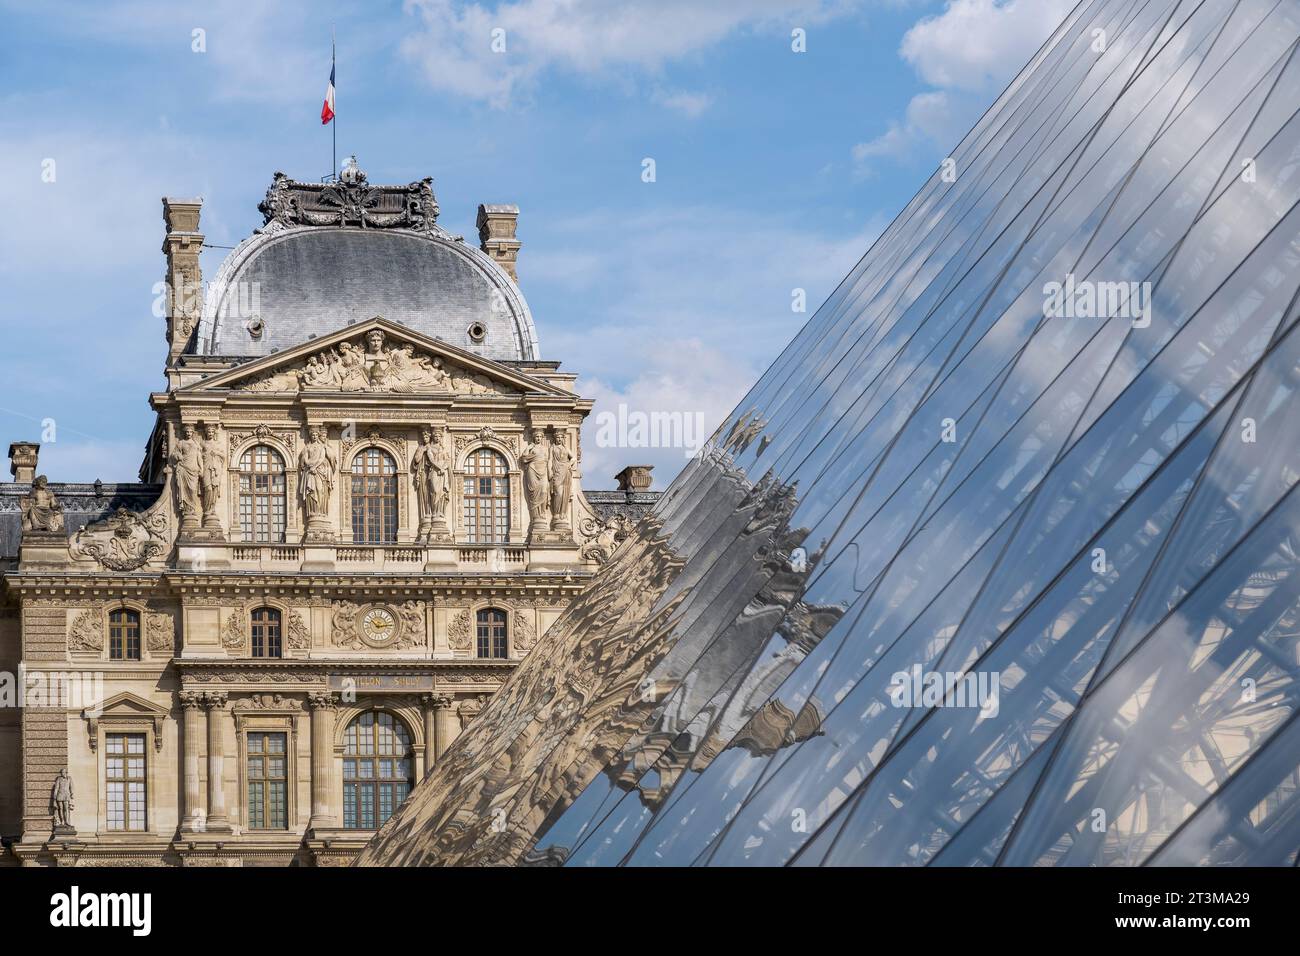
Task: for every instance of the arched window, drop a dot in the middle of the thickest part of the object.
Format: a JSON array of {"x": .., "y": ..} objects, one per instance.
[
  {"x": 374, "y": 497},
  {"x": 266, "y": 632},
  {"x": 487, "y": 497},
  {"x": 377, "y": 769},
  {"x": 491, "y": 632},
  {"x": 261, "y": 495},
  {"x": 123, "y": 635}
]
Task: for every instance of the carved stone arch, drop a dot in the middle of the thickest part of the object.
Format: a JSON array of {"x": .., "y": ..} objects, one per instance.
[
  {"x": 294, "y": 628},
  {"x": 395, "y": 448},
  {"x": 246, "y": 442},
  {"x": 124, "y": 603},
  {"x": 408, "y": 713},
  {"x": 494, "y": 444}
]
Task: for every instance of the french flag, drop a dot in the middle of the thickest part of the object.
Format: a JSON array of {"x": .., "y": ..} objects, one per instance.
[{"x": 327, "y": 111}]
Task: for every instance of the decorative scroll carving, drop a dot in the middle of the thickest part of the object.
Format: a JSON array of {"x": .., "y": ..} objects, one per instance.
[
  {"x": 299, "y": 635},
  {"x": 87, "y": 633},
  {"x": 374, "y": 365},
  {"x": 125, "y": 540},
  {"x": 352, "y": 626},
  {"x": 266, "y": 702},
  {"x": 41, "y": 510},
  {"x": 352, "y": 201},
  {"x": 160, "y": 632},
  {"x": 523, "y": 635},
  {"x": 460, "y": 632},
  {"x": 234, "y": 636},
  {"x": 602, "y": 538}
]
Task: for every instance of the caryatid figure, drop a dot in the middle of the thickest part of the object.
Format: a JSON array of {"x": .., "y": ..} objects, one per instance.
[
  {"x": 214, "y": 469},
  {"x": 316, "y": 468},
  {"x": 535, "y": 462},
  {"x": 431, "y": 474},
  {"x": 187, "y": 474},
  {"x": 561, "y": 474}
]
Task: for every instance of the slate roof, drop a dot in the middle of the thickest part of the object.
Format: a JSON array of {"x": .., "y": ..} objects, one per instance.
[{"x": 82, "y": 504}]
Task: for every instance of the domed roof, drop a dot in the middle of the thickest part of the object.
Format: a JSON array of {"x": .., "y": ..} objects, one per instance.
[{"x": 338, "y": 253}]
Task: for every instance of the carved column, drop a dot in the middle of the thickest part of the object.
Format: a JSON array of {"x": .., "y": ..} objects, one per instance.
[
  {"x": 192, "y": 812},
  {"x": 323, "y": 708},
  {"x": 446, "y": 724},
  {"x": 430, "y": 730},
  {"x": 215, "y": 702}
]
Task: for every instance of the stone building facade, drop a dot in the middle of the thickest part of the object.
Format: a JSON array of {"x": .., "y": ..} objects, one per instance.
[{"x": 359, "y": 508}]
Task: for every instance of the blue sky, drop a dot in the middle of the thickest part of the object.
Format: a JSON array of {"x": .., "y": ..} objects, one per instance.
[{"x": 774, "y": 171}]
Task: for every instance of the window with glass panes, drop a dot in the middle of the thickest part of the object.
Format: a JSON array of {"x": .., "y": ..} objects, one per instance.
[
  {"x": 487, "y": 497},
  {"x": 377, "y": 769},
  {"x": 374, "y": 497},
  {"x": 266, "y": 632},
  {"x": 267, "y": 775},
  {"x": 123, "y": 635},
  {"x": 491, "y": 632},
  {"x": 262, "y": 495},
  {"x": 124, "y": 763}
]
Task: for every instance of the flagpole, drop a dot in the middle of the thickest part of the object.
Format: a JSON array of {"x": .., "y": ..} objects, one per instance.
[{"x": 334, "y": 123}]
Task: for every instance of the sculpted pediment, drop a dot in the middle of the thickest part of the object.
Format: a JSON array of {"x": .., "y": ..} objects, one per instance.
[{"x": 376, "y": 357}]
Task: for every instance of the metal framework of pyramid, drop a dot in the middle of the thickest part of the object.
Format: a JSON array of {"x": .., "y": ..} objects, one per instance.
[{"x": 1092, "y": 517}]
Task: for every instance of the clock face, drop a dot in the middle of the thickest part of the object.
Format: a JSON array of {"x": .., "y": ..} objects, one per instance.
[{"x": 379, "y": 625}]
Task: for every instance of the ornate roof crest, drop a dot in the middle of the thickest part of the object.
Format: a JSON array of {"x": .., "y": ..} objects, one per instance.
[{"x": 352, "y": 201}]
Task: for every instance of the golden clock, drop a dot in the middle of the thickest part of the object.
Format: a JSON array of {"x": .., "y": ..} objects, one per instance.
[{"x": 379, "y": 625}]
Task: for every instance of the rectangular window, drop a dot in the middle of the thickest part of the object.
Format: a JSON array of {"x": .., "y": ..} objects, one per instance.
[
  {"x": 268, "y": 782},
  {"x": 124, "y": 636},
  {"x": 125, "y": 775}
]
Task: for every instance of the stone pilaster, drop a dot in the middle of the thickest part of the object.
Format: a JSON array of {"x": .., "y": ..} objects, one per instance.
[
  {"x": 193, "y": 815},
  {"x": 446, "y": 725},
  {"x": 323, "y": 709},
  {"x": 430, "y": 730},
  {"x": 215, "y": 702}
]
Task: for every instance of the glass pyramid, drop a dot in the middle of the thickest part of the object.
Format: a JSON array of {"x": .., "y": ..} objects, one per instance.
[{"x": 999, "y": 562}]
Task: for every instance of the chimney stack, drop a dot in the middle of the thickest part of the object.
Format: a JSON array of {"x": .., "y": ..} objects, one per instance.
[
  {"x": 635, "y": 478},
  {"x": 182, "y": 246},
  {"x": 22, "y": 460},
  {"x": 496, "y": 234}
]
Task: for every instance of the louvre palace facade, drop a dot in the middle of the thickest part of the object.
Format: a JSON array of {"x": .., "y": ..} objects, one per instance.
[{"x": 359, "y": 508}]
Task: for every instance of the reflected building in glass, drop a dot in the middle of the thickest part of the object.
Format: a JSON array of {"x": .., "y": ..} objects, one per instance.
[{"x": 999, "y": 562}]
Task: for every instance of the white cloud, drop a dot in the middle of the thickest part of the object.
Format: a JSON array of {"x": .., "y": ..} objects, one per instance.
[
  {"x": 454, "y": 46},
  {"x": 978, "y": 44},
  {"x": 695, "y": 301},
  {"x": 972, "y": 48},
  {"x": 685, "y": 102}
]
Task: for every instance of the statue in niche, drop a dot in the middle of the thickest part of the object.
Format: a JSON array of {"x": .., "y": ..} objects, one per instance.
[
  {"x": 535, "y": 461},
  {"x": 187, "y": 472},
  {"x": 61, "y": 797},
  {"x": 41, "y": 510},
  {"x": 561, "y": 474},
  {"x": 431, "y": 474},
  {"x": 214, "y": 469},
  {"x": 316, "y": 468}
]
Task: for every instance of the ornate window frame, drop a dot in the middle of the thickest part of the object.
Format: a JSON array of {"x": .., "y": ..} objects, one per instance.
[
  {"x": 236, "y": 491},
  {"x": 126, "y": 713},
  {"x": 292, "y": 524},
  {"x": 406, "y": 711},
  {"x": 244, "y": 615},
  {"x": 516, "y": 526},
  {"x": 395, "y": 450},
  {"x": 99, "y": 612},
  {"x": 284, "y": 719}
]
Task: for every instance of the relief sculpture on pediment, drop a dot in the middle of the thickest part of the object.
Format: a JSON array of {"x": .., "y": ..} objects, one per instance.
[{"x": 374, "y": 365}]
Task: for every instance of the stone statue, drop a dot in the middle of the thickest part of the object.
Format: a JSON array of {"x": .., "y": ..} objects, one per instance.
[
  {"x": 62, "y": 799},
  {"x": 214, "y": 470},
  {"x": 561, "y": 474},
  {"x": 187, "y": 473},
  {"x": 316, "y": 468},
  {"x": 431, "y": 474},
  {"x": 41, "y": 510},
  {"x": 535, "y": 461}
]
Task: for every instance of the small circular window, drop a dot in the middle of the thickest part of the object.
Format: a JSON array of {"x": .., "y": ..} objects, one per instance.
[{"x": 477, "y": 332}]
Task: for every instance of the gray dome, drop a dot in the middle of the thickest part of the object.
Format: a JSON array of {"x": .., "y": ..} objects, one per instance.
[{"x": 284, "y": 286}]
